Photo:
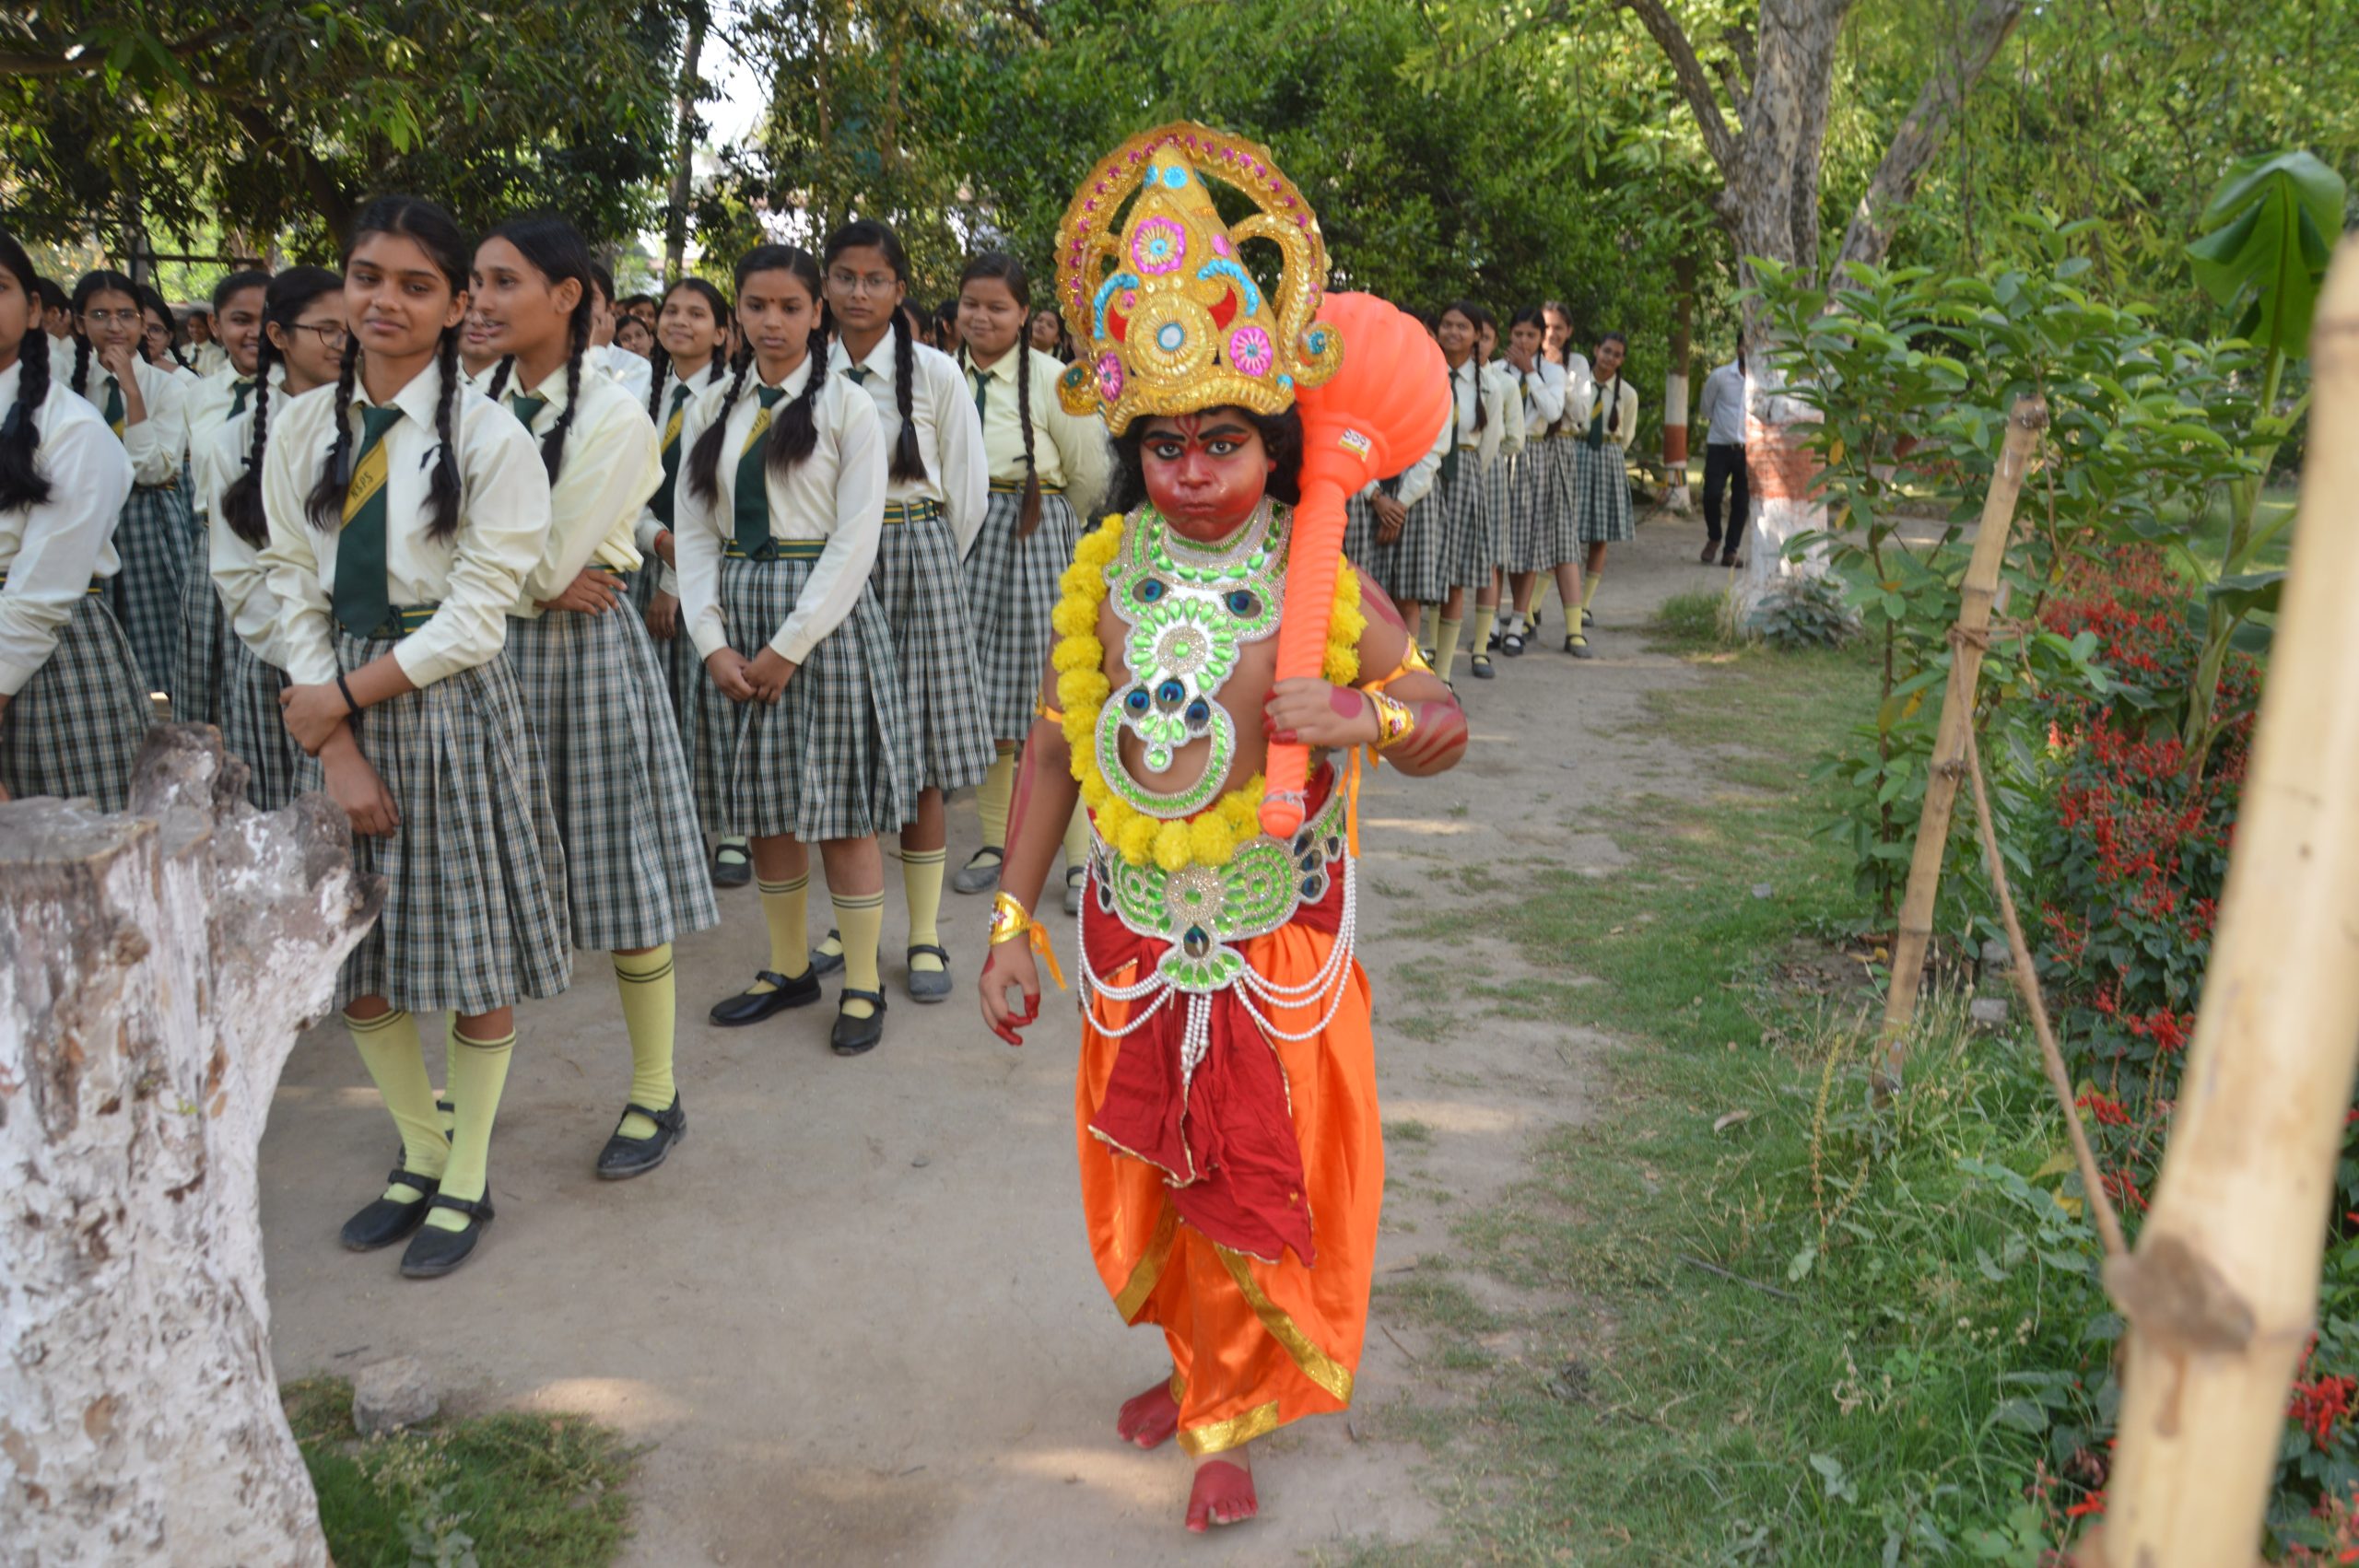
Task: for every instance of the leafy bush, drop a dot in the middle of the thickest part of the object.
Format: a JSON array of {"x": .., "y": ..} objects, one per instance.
[{"x": 1803, "y": 611}]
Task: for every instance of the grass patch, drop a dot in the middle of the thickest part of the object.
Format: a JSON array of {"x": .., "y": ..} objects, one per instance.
[
  {"x": 1799, "y": 1329},
  {"x": 510, "y": 1488}
]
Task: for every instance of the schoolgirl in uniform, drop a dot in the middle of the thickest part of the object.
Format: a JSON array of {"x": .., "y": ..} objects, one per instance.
[
  {"x": 159, "y": 336},
  {"x": 206, "y": 355},
  {"x": 207, "y": 644},
  {"x": 1532, "y": 487},
  {"x": 301, "y": 348},
  {"x": 1559, "y": 541},
  {"x": 1406, "y": 555},
  {"x": 56, "y": 322},
  {"x": 628, "y": 368},
  {"x": 777, "y": 519},
  {"x": 1048, "y": 469},
  {"x": 146, "y": 408},
  {"x": 634, "y": 877},
  {"x": 1605, "y": 470},
  {"x": 73, "y": 711},
  {"x": 1500, "y": 383},
  {"x": 933, "y": 509},
  {"x": 404, "y": 513},
  {"x": 1462, "y": 490}
]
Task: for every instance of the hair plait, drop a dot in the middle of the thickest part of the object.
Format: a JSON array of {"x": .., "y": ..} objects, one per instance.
[{"x": 22, "y": 484}]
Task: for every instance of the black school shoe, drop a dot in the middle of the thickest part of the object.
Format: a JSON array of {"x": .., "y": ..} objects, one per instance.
[
  {"x": 624, "y": 1158},
  {"x": 433, "y": 1253},
  {"x": 386, "y": 1220},
  {"x": 826, "y": 962},
  {"x": 731, "y": 871},
  {"x": 1578, "y": 648},
  {"x": 1479, "y": 666},
  {"x": 752, "y": 1007},
  {"x": 857, "y": 1037}
]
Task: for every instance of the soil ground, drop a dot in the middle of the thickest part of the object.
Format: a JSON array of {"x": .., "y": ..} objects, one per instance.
[{"x": 853, "y": 1320}]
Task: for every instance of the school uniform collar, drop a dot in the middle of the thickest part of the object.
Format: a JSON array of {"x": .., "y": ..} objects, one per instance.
[
  {"x": 879, "y": 363},
  {"x": 551, "y": 392},
  {"x": 8, "y": 379},
  {"x": 796, "y": 379},
  {"x": 417, "y": 399},
  {"x": 1003, "y": 368}
]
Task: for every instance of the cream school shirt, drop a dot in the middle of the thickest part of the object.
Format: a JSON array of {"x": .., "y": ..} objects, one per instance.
[
  {"x": 950, "y": 439},
  {"x": 836, "y": 494},
  {"x": 1499, "y": 383},
  {"x": 236, "y": 566},
  {"x": 156, "y": 443},
  {"x": 1471, "y": 388},
  {"x": 1621, "y": 419},
  {"x": 211, "y": 361},
  {"x": 474, "y": 576},
  {"x": 713, "y": 375},
  {"x": 1543, "y": 388},
  {"x": 610, "y": 469},
  {"x": 1069, "y": 451},
  {"x": 53, "y": 550},
  {"x": 207, "y": 406},
  {"x": 628, "y": 370},
  {"x": 1580, "y": 392}
]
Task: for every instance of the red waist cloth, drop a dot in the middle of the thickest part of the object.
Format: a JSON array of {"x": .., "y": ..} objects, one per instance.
[{"x": 1225, "y": 1142}]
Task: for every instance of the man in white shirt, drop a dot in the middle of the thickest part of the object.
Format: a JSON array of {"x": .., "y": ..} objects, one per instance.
[{"x": 1723, "y": 411}]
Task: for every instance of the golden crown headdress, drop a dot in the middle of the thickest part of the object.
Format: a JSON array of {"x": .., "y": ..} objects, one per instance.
[{"x": 1169, "y": 317}]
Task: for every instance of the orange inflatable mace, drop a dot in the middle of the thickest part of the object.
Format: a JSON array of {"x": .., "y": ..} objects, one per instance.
[{"x": 1374, "y": 417}]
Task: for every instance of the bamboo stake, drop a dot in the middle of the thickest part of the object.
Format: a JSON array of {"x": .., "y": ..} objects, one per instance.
[
  {"x": 2052, "y": 1055},
  {"x": 1967, "y": 641},
  {"x": 2222, "y": 1289}
]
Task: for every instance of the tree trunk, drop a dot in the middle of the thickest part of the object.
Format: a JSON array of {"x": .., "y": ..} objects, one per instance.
[
  {"x": 154, "y": 970},
  {"x": 1674, "y": 386},
  {"x": 2222, "y": 1295},
  {"x": 676, "y": 212}
]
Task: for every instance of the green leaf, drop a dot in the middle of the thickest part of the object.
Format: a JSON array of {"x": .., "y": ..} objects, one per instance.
[
  {"x": 2246, "y": 592},
  {"x": 1799, "y": 1270},
  {"x": 2267, "y": 252}
]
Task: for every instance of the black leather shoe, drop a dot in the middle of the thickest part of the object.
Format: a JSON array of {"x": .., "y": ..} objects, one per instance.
[
  {"x": 930, "y": 985},
  {"x": 386, "y": 1220},
  {"x": 824, "y": 962},
  {"x": 731, "y": 866},
  {"x": 624, "y": 1158},
  {"x": 752, "y": 1007},
  {"x": 1589, "y": 617},
  {"x": 434, "y": 1252},
  {"x": 1578, "y": 648},
  {"x": 855, "y": 1037},
  {"x": 1480, "y": 667}
]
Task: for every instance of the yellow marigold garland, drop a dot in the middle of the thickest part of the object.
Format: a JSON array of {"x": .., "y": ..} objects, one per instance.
[{"x": 1212, "y": 835}]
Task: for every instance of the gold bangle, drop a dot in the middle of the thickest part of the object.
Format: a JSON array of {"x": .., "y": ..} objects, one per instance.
[
  {"x": 1054, "y": 715},
  {"x": 1411, "y": 661},
  {"x": 1394, "y": 720},
  {"x": 1009, "y": 919}
]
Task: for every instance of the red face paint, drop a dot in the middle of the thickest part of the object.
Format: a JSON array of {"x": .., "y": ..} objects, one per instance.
[{"x": 1206, "y": 472}]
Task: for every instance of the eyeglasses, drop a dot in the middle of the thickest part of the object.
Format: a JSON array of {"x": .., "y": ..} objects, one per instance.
[
  {"x": 112, "y": 318},
  {"x": 332, "y": 334},
  {"x": 874, "y": 283}
]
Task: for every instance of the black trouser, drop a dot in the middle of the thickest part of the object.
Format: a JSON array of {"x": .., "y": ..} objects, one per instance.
[{"x": 1724, "y": 468}]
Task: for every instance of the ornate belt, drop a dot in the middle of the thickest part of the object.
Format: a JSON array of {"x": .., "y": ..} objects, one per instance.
[{"x": 1203, "y": 910}]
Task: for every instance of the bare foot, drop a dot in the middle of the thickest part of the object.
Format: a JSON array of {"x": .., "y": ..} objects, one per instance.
[
  {"x": 1150, "y": 1419},
  {"x": 1223, "y": 1492}
]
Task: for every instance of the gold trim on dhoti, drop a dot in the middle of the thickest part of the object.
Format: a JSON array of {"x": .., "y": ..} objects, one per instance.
[
  {"x": 1315, "y": 1364},
  {"x": 1149, "y": 1268},
  {"x": 1234, "y": 1432}
]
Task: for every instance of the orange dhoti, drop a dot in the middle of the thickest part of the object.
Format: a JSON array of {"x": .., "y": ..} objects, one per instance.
[{"x": 1233, "y": 1200}]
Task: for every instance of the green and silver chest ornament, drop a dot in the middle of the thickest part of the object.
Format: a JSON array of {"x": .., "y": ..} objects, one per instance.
[{"x": 1190, "y": 610}]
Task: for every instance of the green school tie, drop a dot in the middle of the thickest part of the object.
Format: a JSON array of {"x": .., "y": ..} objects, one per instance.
[
  {"x": 526, "y": 409},
  {"x": 114, "y": 407},
  {"x": 982, "y": 392},
  {"x": 1450, "y": 452},
  {"x": 661, "y": 503},
  {"x": 1597, "y": 421},
  {"x": 753, "y": 498},
  {"x": 859, "y": 374},
  {"x": 361, "y": 604},
  {"x": 242, "y": 389}
]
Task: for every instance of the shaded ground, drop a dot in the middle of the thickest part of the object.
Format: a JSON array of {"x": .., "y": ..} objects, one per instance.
[{"x": 853, "y": 1320}]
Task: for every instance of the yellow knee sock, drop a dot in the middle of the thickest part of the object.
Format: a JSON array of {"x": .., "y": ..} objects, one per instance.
[
  {"x": 991, "y": 796},
  {"x": 1429, "y": 629},
  {"x": 1446, "y": 650},
  {"x": 1077, "y": 838},
  {"x": 1486, "y": 616},
  {"x": 442, "y": 1110},
  {"x": 476, "y": 1082},
  {"x": 390, "y": 1050},
  {"x": 783, "y": 904},
  {"x": 922, "y": 883},
  {"x": 651, "y": 1008},
  {"x": 1588, "y": 588},
  {"x": 861, "y": 918}
]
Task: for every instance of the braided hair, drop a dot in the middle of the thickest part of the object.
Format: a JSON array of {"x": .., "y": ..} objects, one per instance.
[
  {"x": 1613, "y": 400},
  {"x": 22, "y": 484},
  {"x": 660, "y": 358},
  {"x": 794, "y": 432},
  {"x": 1009, "y": 271},
  {"x": 555, "y": 248},
  {"x": 284, "y": 299},
  {"x": 437, "y": 234},
  {"x": 105, "y": 280},
  {"x": 1473, "y": 315},
  {"x": 868, "y": 234}
]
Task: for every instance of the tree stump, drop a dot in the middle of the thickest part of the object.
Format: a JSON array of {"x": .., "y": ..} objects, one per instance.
[{"x": 155, "y": 968}]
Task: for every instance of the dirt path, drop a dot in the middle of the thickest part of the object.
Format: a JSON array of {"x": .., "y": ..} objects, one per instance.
[{"x": 853, "y": 1318}]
